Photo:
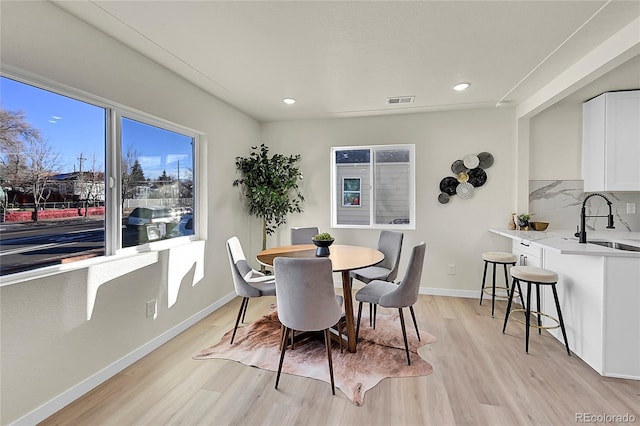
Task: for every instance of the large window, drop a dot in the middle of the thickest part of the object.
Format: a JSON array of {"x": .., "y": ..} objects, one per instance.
[
  {"x": 72, "y": 189},
  {"x": 373, "y": 187}
]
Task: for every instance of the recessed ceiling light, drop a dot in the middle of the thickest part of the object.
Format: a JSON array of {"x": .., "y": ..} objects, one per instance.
[
  {"x": 289, "y": 101},
  {"x": 461, "y": 86}
]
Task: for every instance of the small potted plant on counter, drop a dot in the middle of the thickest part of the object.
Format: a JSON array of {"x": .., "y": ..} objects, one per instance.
[
  {"x": 523, "y": 221},
  {"x": 322, "y": 242}
]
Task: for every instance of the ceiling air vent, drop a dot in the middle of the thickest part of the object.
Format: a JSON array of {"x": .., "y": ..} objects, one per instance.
[{"x": 400, "y": 100}]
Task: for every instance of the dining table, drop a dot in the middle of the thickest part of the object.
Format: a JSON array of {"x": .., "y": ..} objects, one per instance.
[{"x": 344, "y": 258}]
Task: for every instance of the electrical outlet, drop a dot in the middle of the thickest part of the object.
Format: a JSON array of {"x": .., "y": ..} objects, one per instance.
[
  {"x": 151, "y": 308},
  {"x": 452, "y": 270},
  {"x": 631, "y": 208}
]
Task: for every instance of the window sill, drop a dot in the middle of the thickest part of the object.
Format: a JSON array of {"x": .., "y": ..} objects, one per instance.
[{"x": 88, "y": 260}]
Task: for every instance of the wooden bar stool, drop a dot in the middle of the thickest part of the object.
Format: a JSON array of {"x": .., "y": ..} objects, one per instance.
[
  {"x": 536, "y": 276},
  {"x": 500, "y": 258}
]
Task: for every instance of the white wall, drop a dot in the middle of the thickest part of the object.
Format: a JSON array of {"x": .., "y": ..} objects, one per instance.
[
  {"x": 455, "y": 233},
  {"x": 48, "y": 345},
  {"x": 556, "y": 143}
]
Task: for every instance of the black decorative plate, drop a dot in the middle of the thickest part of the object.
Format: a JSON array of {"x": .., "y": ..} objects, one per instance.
[
  {"x": 477, "y": 177},
  {"x": 486, "y": 160},
  {"x": 448, "y": 185},
  {"x": 458, "y": 167}
]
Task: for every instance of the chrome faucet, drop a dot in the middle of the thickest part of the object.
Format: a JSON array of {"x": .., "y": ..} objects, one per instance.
[{"x": 582, "y": 231}]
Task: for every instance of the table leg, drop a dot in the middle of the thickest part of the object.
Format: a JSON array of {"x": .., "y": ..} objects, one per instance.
[{"x": 348, "y": 312}]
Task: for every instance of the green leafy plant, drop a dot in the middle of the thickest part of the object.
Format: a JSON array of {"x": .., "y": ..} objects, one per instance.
[
  {"x": 325, "y": 236},
  {"x": 270, "y": 186},
  {"x": 524, "y": 217}
]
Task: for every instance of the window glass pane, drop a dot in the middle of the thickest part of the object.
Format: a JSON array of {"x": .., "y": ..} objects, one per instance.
[
  {"x": 353, "y": 169},
  {"x": 374, "y": 187},
  {"x": 392, "y": 186},
  {"x": 52, "y": 168},
  {"x": 157, "y": 183}
]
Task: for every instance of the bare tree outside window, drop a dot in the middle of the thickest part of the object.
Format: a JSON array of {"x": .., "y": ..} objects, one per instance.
[
  {"x": 28, "y": 159},
  {"x": 42, "y": 162}
]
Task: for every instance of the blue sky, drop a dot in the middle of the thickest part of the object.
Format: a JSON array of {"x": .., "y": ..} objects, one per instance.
[{"x": 77, "y": 129}]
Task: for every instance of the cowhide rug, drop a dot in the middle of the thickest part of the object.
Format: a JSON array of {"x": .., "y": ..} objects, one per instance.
[{"x": 380, "y": 354}]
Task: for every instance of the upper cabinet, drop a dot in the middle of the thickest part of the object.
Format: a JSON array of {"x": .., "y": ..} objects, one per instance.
[{"x": 611, "y": 142}]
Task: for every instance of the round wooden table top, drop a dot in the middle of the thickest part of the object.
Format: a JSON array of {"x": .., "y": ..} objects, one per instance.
[{"x": 343, "y": 258}]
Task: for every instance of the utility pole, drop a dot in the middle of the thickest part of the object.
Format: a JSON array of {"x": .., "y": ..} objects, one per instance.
[
  {"x": 179, "y": 182},
  {"x": 81, "y": 181},
  {"x": 81, "y": 159}
]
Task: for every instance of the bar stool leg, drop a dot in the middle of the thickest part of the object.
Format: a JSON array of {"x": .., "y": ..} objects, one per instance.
[
  {"x": 493, "y": 293},
  {"x": 484, "y": 277},
  {"x": 524, "y": 305},
  {"x": 564, "y": 333},
  {"x": 506, "y": 317},
  {"x": 538, "y": 304},
  {"x": 528, "y": 317}
]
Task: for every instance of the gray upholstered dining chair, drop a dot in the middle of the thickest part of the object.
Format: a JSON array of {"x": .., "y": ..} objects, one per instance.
[
  {"x": 402, "y": 295},
  {"x": 303, "y": 235},
  {"x": 306, "y": 301},
  {"x": 390, "y": 244},
  {"x": 247, "y": 281}
]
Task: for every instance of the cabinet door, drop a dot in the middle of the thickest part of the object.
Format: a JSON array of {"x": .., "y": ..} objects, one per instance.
[
  {"x": 622, "y": 148},
  {"x": 526, "y": 255},
  {"x": 593, "y": 134}
]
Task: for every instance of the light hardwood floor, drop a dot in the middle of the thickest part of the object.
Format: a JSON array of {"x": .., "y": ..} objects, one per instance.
[{"x": 480, "y": 377}]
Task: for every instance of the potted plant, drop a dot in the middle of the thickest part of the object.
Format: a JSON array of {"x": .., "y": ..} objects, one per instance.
[
  {"x": 523, "y": 221},
  {"x": 270, "y": 186},
  {"x": 322, "y": 242}
]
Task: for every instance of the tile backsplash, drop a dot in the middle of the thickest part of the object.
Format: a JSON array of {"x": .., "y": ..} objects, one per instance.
[{"x": 559, "y": 202}]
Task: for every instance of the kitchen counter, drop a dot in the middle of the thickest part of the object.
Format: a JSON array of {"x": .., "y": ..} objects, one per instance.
[
  {"x": 598, "y": 291},
  {"x": 564, "y": 241}
]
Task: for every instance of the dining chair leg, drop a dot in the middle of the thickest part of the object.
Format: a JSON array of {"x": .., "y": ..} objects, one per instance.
[
  {"x": 340, "y": 334},
  {"x": 404, "y": 336},
  {"x": 415, "y": 323},
  {"x": 371, "y": 315},
  {"x": 244, "y": 313},
  {"x": 327, "y": 343},
  {"x": 283, "y": 343},
  {"x": 375, "y": 313},
  {"x": 359, "y": 317},
  {"x": 242, "y": 305}
]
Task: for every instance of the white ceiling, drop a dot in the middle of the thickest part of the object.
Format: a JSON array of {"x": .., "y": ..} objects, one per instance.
[{"x": 344, "y": 58}]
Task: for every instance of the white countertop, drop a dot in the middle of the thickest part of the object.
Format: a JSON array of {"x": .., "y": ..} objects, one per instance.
[{"x": 564, "y": 241}]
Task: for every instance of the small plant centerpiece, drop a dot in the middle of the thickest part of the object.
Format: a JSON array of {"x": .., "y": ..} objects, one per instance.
[{"x": 322, "y": 242}]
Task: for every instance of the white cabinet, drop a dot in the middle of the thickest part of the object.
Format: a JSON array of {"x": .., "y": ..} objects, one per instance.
[
  {"x": 611, "y": 142},
  {"x": 528, "y": 255},
  {"x": 600, "y": 300}
]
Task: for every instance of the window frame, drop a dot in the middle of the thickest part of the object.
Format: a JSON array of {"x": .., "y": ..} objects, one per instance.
[
  {"x": 344, "y": 191},
  {"x": 372, "y": 188},
  {"x": 114, "y": 112}
]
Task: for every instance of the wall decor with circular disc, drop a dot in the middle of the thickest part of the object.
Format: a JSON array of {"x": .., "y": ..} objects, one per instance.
[
  {"x": 448, "y": 185},
  {"x": 486, "y": 160},
  {"x": 465, "y": 190},
  {"x": 443, "y": 198},
  {"x": 463, "y": 177},
  {"x": 477, "y": 177},
  {"x": 458, "y": 167},
  {"x": 471, "y": 161}
]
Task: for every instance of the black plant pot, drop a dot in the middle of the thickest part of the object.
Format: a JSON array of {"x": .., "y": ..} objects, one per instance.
[{"x": 322, "y": 247}]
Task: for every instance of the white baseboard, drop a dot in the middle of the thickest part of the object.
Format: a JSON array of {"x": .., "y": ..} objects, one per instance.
[
  {"x": 469, "y": 294},
  {"x": 70, "y": 395}
]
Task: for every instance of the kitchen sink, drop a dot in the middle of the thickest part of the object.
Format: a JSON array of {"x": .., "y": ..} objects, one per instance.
[{"x": 615, "y": 245}]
